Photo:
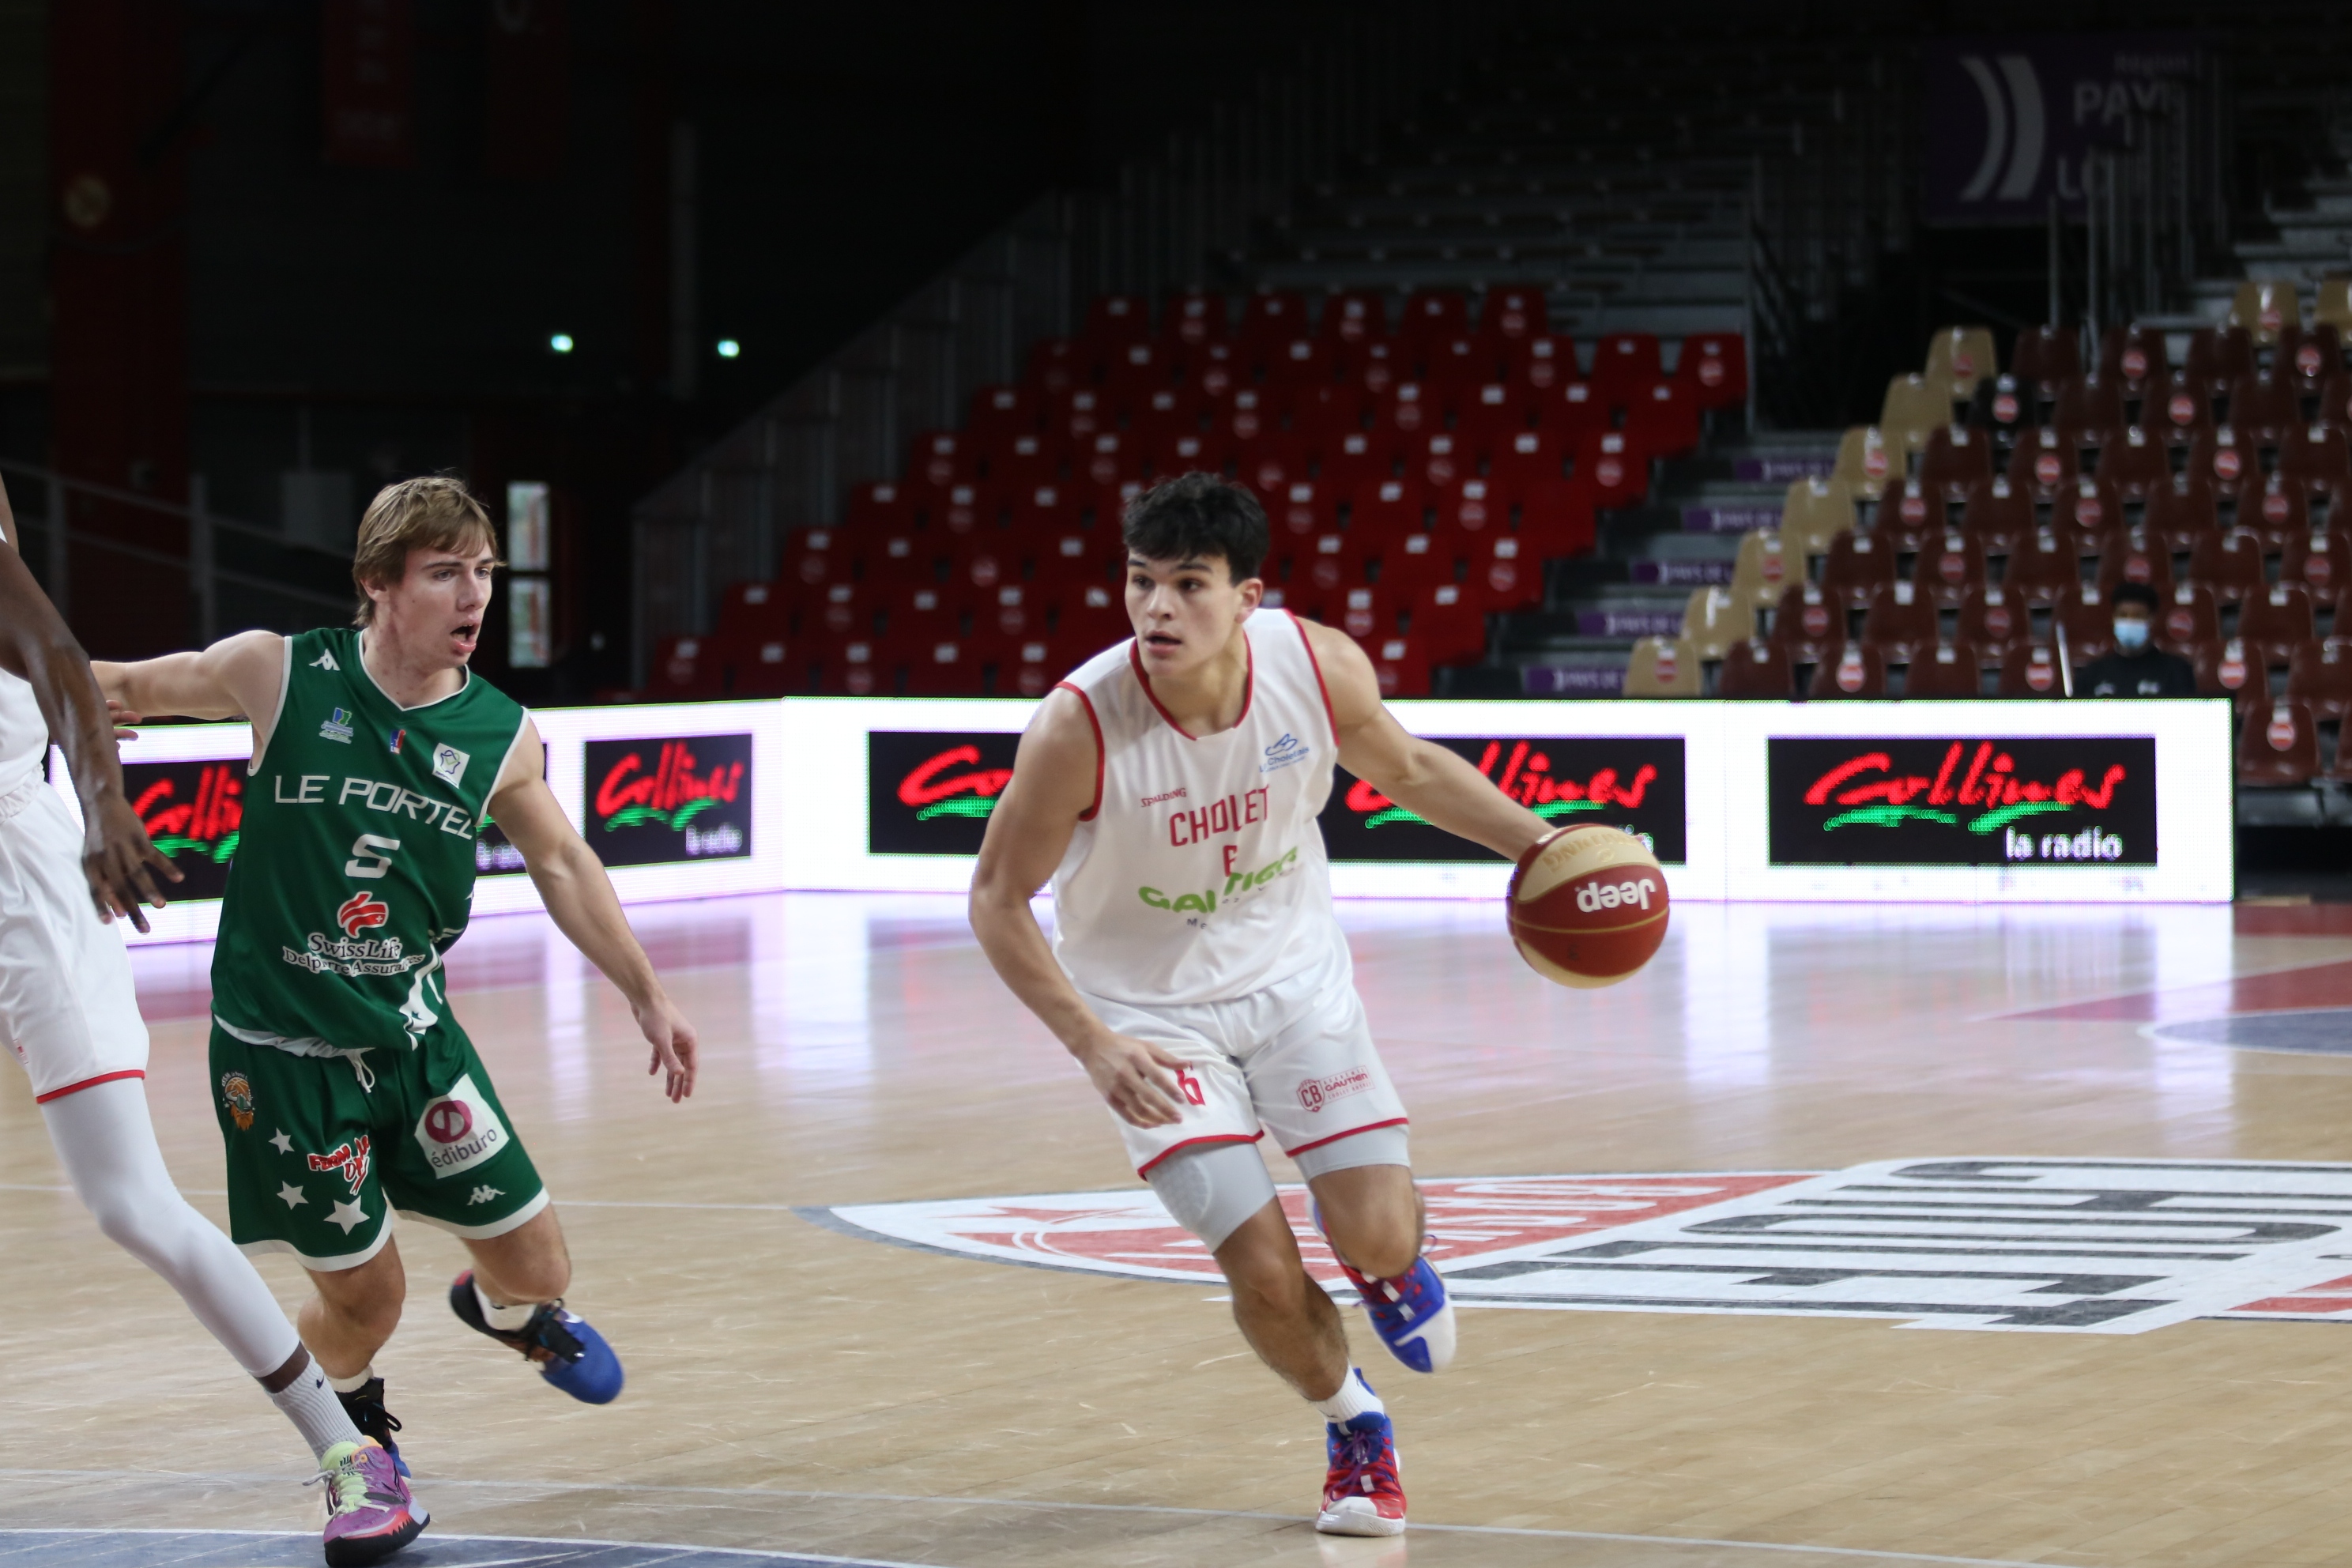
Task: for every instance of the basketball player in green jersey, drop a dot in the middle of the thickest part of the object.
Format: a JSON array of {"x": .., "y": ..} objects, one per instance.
[{"x": 343, "y": 1086}]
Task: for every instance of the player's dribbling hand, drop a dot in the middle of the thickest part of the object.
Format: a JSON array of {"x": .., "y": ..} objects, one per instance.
[
  {"x": 1136, "y": 1079},
  {"x": 672, "y": 1039},
  {"x": 121, "y": 863}
]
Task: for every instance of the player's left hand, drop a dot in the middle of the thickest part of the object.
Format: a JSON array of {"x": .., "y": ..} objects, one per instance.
[
  {"x": 120, "y": 862},
  {"x": 672, "y": 1039}
]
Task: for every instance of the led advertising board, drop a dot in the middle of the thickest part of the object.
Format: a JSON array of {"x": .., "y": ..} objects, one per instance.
[
  {"x": 1634, "y": 783},
  {"x": 192, "y": 811},
  {"x": 1962, "y": 800},
  {"x": 657, "y": 800},
  {"x": 930, "y": 793}
]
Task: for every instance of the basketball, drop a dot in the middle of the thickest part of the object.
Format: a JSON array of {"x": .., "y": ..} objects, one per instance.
[{"x": 1588, "y": 906}]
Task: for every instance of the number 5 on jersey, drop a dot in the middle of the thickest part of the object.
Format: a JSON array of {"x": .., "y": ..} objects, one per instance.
[{"x": 371, "y": 855}]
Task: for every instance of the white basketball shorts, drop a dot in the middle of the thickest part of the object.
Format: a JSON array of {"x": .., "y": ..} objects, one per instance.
[
  {"x": 68, "y": 1011},
  {"x": 1294, "y": 1059}
]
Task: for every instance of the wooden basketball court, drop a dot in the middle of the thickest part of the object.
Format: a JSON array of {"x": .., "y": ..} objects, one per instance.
[{"x": 1938, "y": 1256}]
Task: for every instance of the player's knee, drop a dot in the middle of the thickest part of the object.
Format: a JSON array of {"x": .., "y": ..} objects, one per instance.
[
  {"x": 143, "y": 1227},
  {"x": 538, "y": 1279},
  {"x": 1386, "y": 1246},
  {"x": 373, "y": 1315}
]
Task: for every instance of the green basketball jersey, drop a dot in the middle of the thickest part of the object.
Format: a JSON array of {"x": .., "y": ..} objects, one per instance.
[{"x": 354, "y": 867}]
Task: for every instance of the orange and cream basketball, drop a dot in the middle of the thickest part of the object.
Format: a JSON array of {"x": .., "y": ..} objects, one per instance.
[{"x": 1588, "y": 906}]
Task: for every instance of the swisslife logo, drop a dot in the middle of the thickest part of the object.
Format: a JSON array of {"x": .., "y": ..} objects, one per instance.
[{"x": 363, "y": 911}]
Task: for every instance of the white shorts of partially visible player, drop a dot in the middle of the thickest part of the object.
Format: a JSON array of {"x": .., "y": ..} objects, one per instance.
[
  {"x": 1294, "y": 1059},
  {"x": 68, "y": 1011}
]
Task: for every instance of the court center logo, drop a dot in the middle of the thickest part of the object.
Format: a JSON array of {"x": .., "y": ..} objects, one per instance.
[{"x": 2106, "y": 1246}]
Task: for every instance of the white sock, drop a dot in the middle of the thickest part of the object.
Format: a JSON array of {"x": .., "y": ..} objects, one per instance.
[
  {"x": 1355, "y": 1398},
  {"x": 311, "y": 1404},
  {"x": 352, "y": 1384},
  {"x": 507, "y": 1319}
]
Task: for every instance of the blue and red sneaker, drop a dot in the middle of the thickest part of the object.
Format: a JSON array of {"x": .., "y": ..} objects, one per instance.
[
  {"x": 1361, "y": 1493},
  {"x": 567, "y": 1353},
  {"x": 1410, "y": 1312}
]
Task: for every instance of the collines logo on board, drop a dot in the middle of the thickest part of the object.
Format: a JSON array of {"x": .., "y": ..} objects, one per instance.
[
  {"x": 1990, "y": 787},
  {"x": 953, "y": 784},
  {"x": 672, "y": 795},
  {"x": 1526, "y": 777},
  {"x": 207, "y": 826}
]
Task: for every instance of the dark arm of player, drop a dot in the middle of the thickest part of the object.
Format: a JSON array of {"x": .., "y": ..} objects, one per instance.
[
  {"x": 37, "y": 647},
  {"x": 580, "y": 899},
  {"x": 1028, "y": 832},
  {"x": 1425, "y": 778}
]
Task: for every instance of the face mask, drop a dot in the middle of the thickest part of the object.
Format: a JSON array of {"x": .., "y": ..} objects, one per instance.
[{"x": 2131, "y": 635}]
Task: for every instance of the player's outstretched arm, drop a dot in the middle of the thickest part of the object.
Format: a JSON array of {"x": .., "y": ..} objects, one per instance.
[
  {"x": 239, "y": 677},
  {"x": 1426, "y": 779},
  {"x": 579, "y": 897},
  {"x": 37, "y": 647},
  {"x": 1055, "y": 776}
]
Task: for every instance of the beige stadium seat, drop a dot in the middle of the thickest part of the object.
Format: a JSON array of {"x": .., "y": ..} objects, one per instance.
[
  {"x": 1962, "y": 356},
  {"x": 2264, "y": 307},
  {"x": 2335, "y": 308},
  {"x": 1662, "y": 666},
  {"x": 1914, "y": 407},
  {"x": 1763, "y": 574},
  {"x": 1714, "y": 620},
  {"x": 1813, "y": 514},
  {"x": 1865, "y": 463}
]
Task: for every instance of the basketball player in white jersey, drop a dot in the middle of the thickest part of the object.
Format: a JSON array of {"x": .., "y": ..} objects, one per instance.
[
  {"x": 1170, "y": 789},
  {"x": 70, "y": 1017}
]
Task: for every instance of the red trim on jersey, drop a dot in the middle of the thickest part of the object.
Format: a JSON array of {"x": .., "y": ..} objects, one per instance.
[
  {"x": 1249, "y": 685},
  {"x": 1095, "y": 725},
  {"x": 1320, "y": 684},
  {"x": 1148, "y": 1166},
  {"x": 88, "y": 1083},
  {"x": 1351, "y": 1133}
]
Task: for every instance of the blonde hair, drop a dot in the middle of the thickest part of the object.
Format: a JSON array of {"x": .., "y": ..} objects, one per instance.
[{"x": 432, "y": 512}]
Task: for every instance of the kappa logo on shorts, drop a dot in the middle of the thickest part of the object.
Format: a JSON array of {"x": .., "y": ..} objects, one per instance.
[
  {"x": 2108, "y": 1246},
  {"x": 459, "y": 1130},
  {"x": 237, "y": 1093},
  {"x": 1316, "y": 1092},
  {"x": 349, "y": 1160},
  {"x": 361, "y": 911}
]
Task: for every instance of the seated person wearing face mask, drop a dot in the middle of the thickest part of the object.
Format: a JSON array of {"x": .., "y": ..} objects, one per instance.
[{"x": 2137, "y": 667}]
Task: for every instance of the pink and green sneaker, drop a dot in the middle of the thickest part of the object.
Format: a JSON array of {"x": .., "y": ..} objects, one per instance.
[{"x": 370, "y": 1512}]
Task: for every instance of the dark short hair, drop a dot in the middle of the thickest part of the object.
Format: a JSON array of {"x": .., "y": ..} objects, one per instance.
[
  {"x": 2134, "y": 593},
  {"x": 1193, "y": 517}
]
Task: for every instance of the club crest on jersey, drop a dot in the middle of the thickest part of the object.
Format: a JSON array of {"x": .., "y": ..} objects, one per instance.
[
  {"x": 362, "y": 910},
  {"x": 337, "y": 726},
  {"x": 1283, "y": 752},
  {"x": 348, "y": 1161},
  {"x": 237, "y": 1093},
  {"x": 449, "y": 764}
]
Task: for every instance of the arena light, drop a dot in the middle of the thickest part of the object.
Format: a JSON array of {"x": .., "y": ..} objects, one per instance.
[
  {"x": 560, "y": 343},
  {"x": 730, "y": 349}
]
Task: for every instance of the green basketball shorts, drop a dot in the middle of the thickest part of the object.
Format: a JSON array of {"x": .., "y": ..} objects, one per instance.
[{"x": 322, "y": 1149}]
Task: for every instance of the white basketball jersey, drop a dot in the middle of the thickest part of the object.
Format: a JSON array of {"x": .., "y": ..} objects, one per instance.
[
  {"x": 24, "y": 734},
  {"x": 1200, "y": 876}
]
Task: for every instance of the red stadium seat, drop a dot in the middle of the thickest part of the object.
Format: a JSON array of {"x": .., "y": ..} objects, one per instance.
[
  {"x": 2086, "y": 619},
  {"x": 2320, "y": 676},
  {"x": 1345, "y": 461},
  {"x": 1269, "y": 464},
  {"x": 2087, "y": 507},
  {"x": 2046, "y": 354},
  {"x": 1713, "y": 366},
  {"x": 2047, "y": 563},
  {"x": 1192, "y": 318},
  {"x": 1027, "y": 666},
  {"x": 1115, "y": 321},
  {"x": 1492, "y": 415},
  {"x": 1460, "y": 362},
  {"x": 946, "y": 666},
  {"x": 2178, "y": 404},
  {"x": 686, "y": 667},
  {"x": 1913, "y": 512},
  {"x": 1298, "y": 364},
  {"x": 1997, "y": 515},
  {"x": 1056, "y": 365},
  {"x": 1401, "y": 664},
  {"x": 1663, "y": 419},
  {"x": 1437, "y": 458},
  {"x": 1275, "y": 315},
  {"x": 1302, "y": 507},
  {"x": 1757, "y": 670},
  {"x": 1854, "y": 669},
  {"x": 2263, "y": 409},
  {"x": 1542, "y": 363},
  {"x": 1948, "y": 567},
  {"x": 1015, "y": 610},
  {"x": 1415, "y": 560},
  {"x": 1365, "y": 611},
  {"x": 1615, "y": 472},
  {"x": 817, "y": 555},
  {"x": 1807, "y": 622},
  {"x": 1408, "y": 409},
  {"x": 1430, "y": 314},
  {"x": 1354, "y": 315},
  {"x": 2134, "y": 555},
  {"x": 2134, "y": 465},
  {"x": 1189, "y": 452},
  {"x": 2223, "y": 670},
  {"x": 1514, "y": 315},
  {"x": 2230, "y": 564},
  {"x": 2188, "y": 618},
  {"x": 898, "y": 561},
  {"x": 1325, "y": 561},
  {"x": 2044, "y": 460},
  {"x": 1993, "y": 619},
  {"x": 2132, "y": 355},
  {"x": 1901, "y": 621},
  {"x": 1508, "y": 578},
  {"x": 2030, "y": 670},
  {"x": 883, "y": 507},
  {"x": 1859, "y": 565},
  {"x": 2273, "y": 622},
  {"x": 942, "y": 458},
  {"x": 851, "y": 669},
  {"x": 2182, "y": 513},
  {"x": 1956, "y": 459},
  {"x": 1556, "y": 517},
  {"x": 1623, "y": 366},
  {"x": 765, "y": 667},
  {"x": 2278, "y": 744},
  {"x": 1110, "y": 457},
  {"x": 1946, "y": 669},
  {"x": 2218, "y": 457},
  {"x": 1472, "y": 506},
  {"x": 756, "y": 609},
  {"x": 2321, "y": 562},
  {"x": 1448, "y": 621},
  {"x": 2315, "y": 455},
  {"x": 1389, "y": 509},
  {"x": 2273, "y": 508},
  {"x": 1024, "y": 463}
]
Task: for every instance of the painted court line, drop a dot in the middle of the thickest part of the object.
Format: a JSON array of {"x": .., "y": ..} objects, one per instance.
[
  {"x": 566, "y": 1544},
  {"x": 1862, "y": 1552}
]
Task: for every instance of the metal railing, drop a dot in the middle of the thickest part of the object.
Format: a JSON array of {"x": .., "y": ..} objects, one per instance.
[
  {"x": 52, "y": 563},
  {"x": 2156, "y": 213}
]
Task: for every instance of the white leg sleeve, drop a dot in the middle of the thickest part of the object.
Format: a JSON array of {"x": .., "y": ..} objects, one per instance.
[{"x": 107, "y": 1145}]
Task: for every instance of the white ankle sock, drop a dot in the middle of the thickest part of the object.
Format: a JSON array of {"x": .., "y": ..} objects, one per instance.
[
  {"x": 352, "y": 1384},
  {"x": 311, "y": 1404},
  {"x": 1355, "y": 1398},
  {"x": 507, "y": 1319}
]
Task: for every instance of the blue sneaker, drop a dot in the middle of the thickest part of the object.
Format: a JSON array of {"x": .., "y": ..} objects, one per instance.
[
  {"x": 1410, "y": 1312},
  {"x": 365, "y": 1405},
  {"x": 569, "y": 1352},
  {"x": 1361, "y": 1492}
]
